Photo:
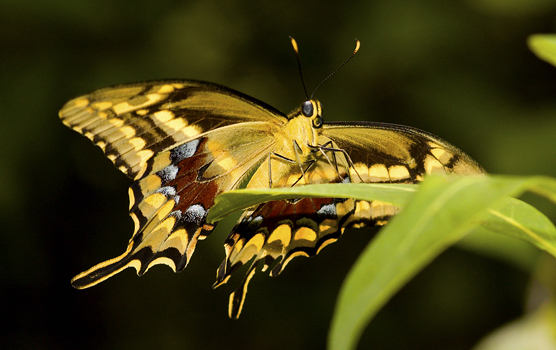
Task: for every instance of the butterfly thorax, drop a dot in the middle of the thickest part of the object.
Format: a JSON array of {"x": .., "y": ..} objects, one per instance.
[{"x": 295, "y": 145}]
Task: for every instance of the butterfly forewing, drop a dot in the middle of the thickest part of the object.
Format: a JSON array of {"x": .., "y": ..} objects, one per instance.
[
  {"x": 381, "y": 151},
  {"x": 132, "y": 123}
]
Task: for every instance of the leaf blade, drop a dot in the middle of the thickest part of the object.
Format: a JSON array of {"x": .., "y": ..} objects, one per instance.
[
  {"x": 404, "y": 247},
  {"x": 230, "y": 202},
  {"x": 544, "y": 46}
]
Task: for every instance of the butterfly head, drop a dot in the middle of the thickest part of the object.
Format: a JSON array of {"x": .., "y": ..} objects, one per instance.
[{"x": 312, "y": 109}]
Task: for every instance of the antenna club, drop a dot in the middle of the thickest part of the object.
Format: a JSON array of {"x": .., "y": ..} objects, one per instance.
[
  {"x": 294, "y": 44},
  {"x": 357, "y": 45}
]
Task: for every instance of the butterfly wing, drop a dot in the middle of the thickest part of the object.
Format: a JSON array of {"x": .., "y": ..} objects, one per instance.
[
  {"x": 131, "y": 123},
  {"x": 183, "y": 143},
  {"x": 379, "y": 151},
  {"x": 279, "y": 231}
]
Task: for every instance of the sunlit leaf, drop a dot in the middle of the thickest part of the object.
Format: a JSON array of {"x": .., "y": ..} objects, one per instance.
[
  {"x": 544, "y": 46},
  {"x": 233, "y": 201},
  {"x": 518, "y": 219},
  {"x": 438, "y": 216}
]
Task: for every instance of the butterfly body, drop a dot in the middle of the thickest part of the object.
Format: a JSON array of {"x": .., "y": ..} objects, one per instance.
[{"x": 185, "y": 142}]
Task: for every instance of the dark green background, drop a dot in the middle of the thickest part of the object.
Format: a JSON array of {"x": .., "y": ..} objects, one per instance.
[{"x": 458, "y": 69}]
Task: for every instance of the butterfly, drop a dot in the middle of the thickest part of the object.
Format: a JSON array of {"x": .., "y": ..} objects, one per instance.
[{"x": 183, "y": 142}]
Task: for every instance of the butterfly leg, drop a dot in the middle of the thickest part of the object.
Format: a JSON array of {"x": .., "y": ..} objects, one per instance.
[
  {"x": 297, "y": 149},
  {"x": 311, "y": 162},
  {"x": 324, "y": 147},
  {"x": 270, "y": 165},
  {"x": 334, "y": 163}
]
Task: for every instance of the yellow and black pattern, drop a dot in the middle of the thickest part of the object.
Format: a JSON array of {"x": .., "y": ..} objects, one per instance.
[
  {"x": 132, "y": 123},
  {"x": 184, "y": 142}
]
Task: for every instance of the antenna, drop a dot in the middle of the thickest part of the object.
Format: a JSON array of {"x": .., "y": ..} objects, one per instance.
[
  {"x": 296, "y": 49},
  {"x": 357, "y": 46}
]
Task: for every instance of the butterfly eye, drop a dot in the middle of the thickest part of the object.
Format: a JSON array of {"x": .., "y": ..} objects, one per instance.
[
  {"x": 317, "y": 122},
  {"x": 307, "y": 108}
]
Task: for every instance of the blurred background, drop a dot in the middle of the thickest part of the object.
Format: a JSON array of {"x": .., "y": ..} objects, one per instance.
[{"x": 459, "y": 69}]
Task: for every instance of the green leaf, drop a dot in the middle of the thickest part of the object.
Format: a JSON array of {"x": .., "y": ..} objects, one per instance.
[
  {"x": 230, "y": 202},
  {"x": 496, "y": 236},
  {"x": 439, "y": 215},
  {"x": 544, "y": 46},
  {"x": 518, "y": 219}
]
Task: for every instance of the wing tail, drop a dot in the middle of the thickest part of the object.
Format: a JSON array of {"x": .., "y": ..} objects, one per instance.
[{"x": 104, "y": 270}]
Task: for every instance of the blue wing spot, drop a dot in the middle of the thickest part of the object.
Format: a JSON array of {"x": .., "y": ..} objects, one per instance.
[
  {"x": 169, "y": 173},
  {"x": 195, "y": 214},
  {"x": 184, "y": 151}
]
